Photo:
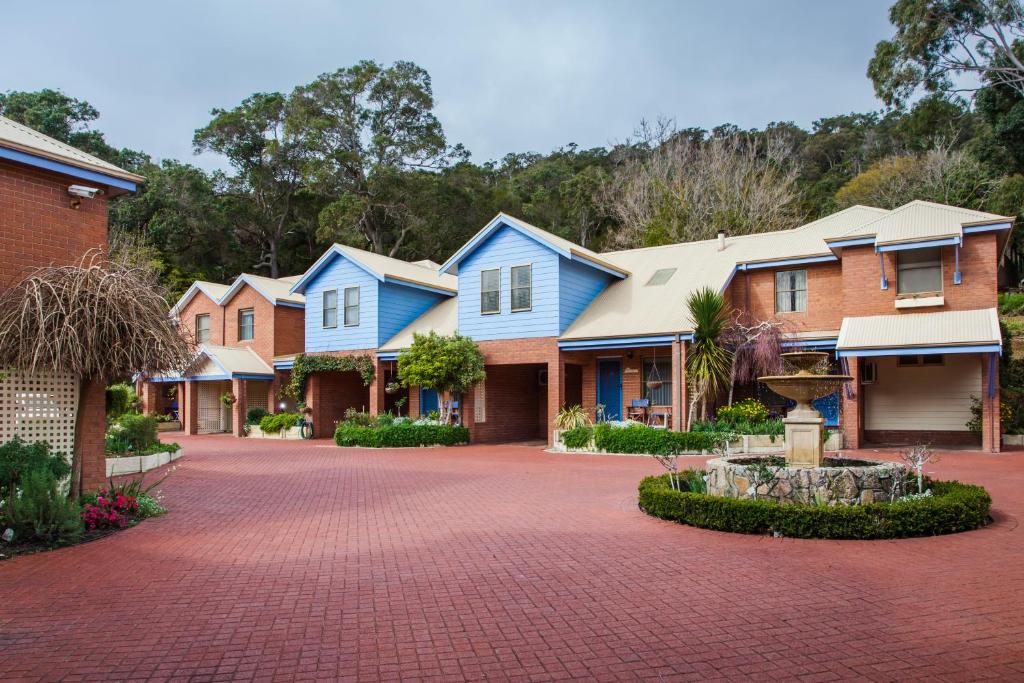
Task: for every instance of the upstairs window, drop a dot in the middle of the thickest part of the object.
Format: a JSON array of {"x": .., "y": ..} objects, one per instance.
[
  {"x": 351, "y": 306},
  {"x": 203, "y": 328},
  {"x": 919, "y": 270},
  {"x": 490, "y": 291},
  {"x": 331, "y": 308},
  {"x": 791, "y": 291},
  {"x": 522, "y": 288},
  {"x": 246, "y": 324}
]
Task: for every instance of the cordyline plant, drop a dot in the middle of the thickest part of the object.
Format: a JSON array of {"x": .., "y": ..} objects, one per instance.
[
  {"x": 98, "y": 319},
  {"x": 708, "y": 361}
]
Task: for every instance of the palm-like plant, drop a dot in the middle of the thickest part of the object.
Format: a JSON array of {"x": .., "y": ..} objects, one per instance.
[{"x": 708, "y": 362}]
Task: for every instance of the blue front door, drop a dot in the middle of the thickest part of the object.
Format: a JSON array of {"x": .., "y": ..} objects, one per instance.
[
  {"x": 609, "y": 388},
  {"x": 428, "y": 401}
]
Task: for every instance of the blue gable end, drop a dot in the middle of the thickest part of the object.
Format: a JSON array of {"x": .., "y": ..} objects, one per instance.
[
  {"x": 400, "y": 305},
  {"x": 339, "y": 274},
  {"x": 577, "y": 286},
  {"x": 561, "y": 288}
]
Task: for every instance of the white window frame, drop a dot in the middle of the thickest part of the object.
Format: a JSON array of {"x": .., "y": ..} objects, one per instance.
[
  {"x": 919, "y": 266},
  {"x": 252, "y": 333},
  {"x": 792, "y": 292},
  {"x": 325, "y": 308},
  {"x": 200, "y": 316},
  {"x": 356, "y": 306},
  {"x": 484, "y": 291},
  {"x": 512, "y": 288}
]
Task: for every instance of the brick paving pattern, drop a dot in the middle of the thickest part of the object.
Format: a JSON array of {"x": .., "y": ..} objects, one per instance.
[{"x": 301, "y": 561}]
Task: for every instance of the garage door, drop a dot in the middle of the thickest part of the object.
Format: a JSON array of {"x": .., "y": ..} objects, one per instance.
[{"x": 211, "y": 410}]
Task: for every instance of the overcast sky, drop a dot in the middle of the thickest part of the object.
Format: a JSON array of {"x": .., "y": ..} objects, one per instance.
[{"x": 508, "y": 76}]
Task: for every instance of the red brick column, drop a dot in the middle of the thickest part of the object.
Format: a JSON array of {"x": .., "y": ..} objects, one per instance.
[
  {"x": 149, "y": 397},
  {"x": 238, "y": 407},
  {"x": 377, "y": 397},
  {"x": 556, "y": 391},
  {"x": 853, "y": 428},
  {"x": 413, "y": 408},
  {"x": 91, "y": 448},
  {"x": 679, "y": 396},
  {"x": 991, "y": 426},
  {"x": 189, "y": 402},
  {"x": 313, "y": 402}
]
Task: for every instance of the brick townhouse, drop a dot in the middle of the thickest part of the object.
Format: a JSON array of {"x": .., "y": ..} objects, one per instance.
[{"x": 53, "y": 210}]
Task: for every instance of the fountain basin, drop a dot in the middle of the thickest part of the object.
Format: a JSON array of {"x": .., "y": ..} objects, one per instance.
[{"x": 839, "y": 481}]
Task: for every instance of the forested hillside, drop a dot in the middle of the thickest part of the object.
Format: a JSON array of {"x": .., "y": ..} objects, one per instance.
[{"x": 358, "y": 156}]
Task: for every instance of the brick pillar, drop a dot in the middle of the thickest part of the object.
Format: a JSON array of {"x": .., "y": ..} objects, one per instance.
[
  {"x": 238, "y": 409},
  {"x": 679, "y": 396},
  {"x": 91, "y": 448},
  {"x": 273, "y": 389},
  {"x": 556, "y": 391},
  {"x": 852, "y": 424},
  {"x": 377, "y": 397},
  {"x": 413, "y": 408},
  {"x": 150, "y": 397},
  {"x": 590, "y": 386},
  {"x": 189, "y": 402},
  {"x": 991, "y": 426},
  {"x": 313, "y": 402}
]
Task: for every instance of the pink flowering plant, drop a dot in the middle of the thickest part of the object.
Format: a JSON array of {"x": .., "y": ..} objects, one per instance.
[{"x": 110, "y": 510}]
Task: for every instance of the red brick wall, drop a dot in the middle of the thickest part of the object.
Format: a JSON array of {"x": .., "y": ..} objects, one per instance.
[
  {"x": 289, "y": 330},
  {"x": 198, "y": 305},
  {"x": 38, "y": 227},
  {"x": 330, "y": 394},
  {"x": 753, "y": 292},
  {"x": 262, "y": 341},
  {"x": 516, "y": 408}
]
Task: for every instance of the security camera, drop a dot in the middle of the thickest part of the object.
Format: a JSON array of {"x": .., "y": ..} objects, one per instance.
[{"x": 84, "y": 191}]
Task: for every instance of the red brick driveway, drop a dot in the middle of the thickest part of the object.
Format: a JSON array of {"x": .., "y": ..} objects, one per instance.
[{"x": 287, "y": 560}]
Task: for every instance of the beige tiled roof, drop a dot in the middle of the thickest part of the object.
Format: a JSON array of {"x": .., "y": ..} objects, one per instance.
[
  {"x": 921, "y": 220},
  {"x": 214, "y": 290},
  {"x": 273, "y": 289},
  {"x": 631, "y": 308},
  {"x": 423, "y": 273},
  {"x": 15, "y": 136},
  {"x": 943, "y": 328},
  {"x": 442, "y": 318}
]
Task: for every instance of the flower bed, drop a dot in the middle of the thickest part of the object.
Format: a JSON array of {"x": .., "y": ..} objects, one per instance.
[
  {"x": 638, "y": 439},
  {"x": 400, "y": 434},
  {"x": 951, "y": 507},
  {"x": 135, "y": 464}
]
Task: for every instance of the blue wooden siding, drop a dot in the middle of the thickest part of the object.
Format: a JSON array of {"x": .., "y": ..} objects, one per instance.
[
  {"x": 504, "y": 249},
  {"x": 577, "y": 286},
  {"x": 400, "y": 305},
  {"x": 339, "y": 274}
]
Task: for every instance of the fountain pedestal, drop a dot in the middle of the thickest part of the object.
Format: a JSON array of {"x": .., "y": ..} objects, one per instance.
[{"x": 804, "y": 440}]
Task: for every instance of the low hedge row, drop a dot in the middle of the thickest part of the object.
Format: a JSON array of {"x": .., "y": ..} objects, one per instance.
[
  {"x": 639, "y": 438},
  {"x": 952, "y": 507},
  {"x": 399, "y": 435},
  {"x": 578, "y": 437},
  {"x": 274, "y": 424}
]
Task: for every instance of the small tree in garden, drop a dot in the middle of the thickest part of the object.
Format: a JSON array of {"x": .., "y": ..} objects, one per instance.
[
  {"x": 708, "y": 360},
  {"x": 98, "y": 319},
  {"x": 916, "y": 458},
  {"x": 755, "y": 349},
  {"x": 449, "y": 365}
]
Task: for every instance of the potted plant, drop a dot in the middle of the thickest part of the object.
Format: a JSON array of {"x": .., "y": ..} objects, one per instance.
[{"x": 228, "y": 399}]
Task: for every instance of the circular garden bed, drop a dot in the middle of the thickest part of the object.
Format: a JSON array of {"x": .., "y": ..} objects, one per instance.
[{"x": 951, "y": 507}]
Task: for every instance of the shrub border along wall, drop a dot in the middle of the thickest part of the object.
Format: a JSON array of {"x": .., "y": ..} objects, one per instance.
[
  {"x": 404, "y": 435},
  {"x": 952, "y": 507}
]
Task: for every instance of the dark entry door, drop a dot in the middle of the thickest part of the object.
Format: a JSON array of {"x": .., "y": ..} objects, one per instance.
[
  {"x": 428, "y": 401},
  {"x": 609, "y": 387}
]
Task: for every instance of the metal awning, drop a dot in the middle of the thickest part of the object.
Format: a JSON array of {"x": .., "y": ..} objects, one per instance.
[{"x": 975, "y": 331}]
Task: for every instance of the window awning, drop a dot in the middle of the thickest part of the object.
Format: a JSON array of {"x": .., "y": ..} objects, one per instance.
[{"x": 975, "y": 331}]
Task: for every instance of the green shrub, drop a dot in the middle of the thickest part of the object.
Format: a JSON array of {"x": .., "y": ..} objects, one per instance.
[
  {"x": 638, "y": 438},
  {"x": 18, "y": 459},
  {"x": 385, "y": 420},
  {"x": 358, "y": 418},
  {"x": 1011, "y": 303},
  {"x": 952, "y": 507},
  {"x": 121, "y": 399},
  {"x": 255, "y": 415},
  {"x": 578, "y": 437},
  {"x": 148, "y": 506},
  {"x": 400, "y": 435},
  {"x": 748, "y": 410},
  {"x": 41, "y": 512},
  {"x": 132, "y": 432},
  {"x": 771, "y": 427},
  {"x": 273, "y": 424}
]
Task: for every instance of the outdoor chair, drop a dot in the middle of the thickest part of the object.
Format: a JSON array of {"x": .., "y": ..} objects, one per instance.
[{"x": 638, "y": 409}]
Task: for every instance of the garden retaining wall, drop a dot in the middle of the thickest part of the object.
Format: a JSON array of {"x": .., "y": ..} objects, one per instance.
[{"x": 136, "y": 464}]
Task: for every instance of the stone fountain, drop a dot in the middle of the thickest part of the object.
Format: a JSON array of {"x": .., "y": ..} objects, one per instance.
[
  {"x": 806, "y": 476},
  {"x": 804, "y": 424}
]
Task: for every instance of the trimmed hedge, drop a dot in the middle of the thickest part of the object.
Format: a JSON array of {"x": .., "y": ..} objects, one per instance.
[
  {"x": 400, "y": 435},
  {"x": 578, "y": 437},
  {"x": 641, "y": 439},
  {"x": 952, "y": 507},
  {"x": 273, "y": 424}
]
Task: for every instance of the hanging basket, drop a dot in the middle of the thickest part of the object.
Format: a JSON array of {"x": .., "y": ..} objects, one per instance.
[
  {"x": 392, "y": 388},
  {"x": 654, "y": 383}
]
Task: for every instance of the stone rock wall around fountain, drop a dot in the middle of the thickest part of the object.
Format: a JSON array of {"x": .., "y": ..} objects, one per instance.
[{"x": 840, "y": 481}]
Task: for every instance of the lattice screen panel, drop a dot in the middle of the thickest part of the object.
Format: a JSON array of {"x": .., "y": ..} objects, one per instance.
[
  {"x": 39, "y": 408},
  {"x": 256, "y": 394}
]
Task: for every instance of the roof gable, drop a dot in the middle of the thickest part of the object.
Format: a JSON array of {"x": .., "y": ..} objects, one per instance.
[
  {"x": 275, "y": 291},
  {"x": 382, "y": 268},
  {"x": 212, "y": 290}
]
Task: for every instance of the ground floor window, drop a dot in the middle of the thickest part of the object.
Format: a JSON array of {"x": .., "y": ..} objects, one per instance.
[{"x": 658, "y": 368}]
